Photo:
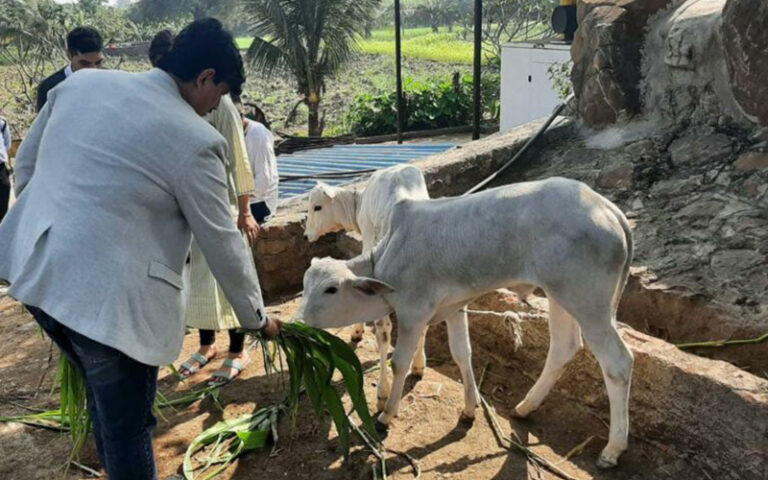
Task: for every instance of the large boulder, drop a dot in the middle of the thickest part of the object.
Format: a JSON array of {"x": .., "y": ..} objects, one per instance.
[
  {"x": 745, "y": 37},
  {"x": 685, "y": 77},
  {"x": 607, "y": 56}
]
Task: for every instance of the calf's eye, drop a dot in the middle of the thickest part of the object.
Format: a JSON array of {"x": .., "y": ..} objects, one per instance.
[
  {"x": 331, "y": 290},
  {"x": 318, "y": 208}
]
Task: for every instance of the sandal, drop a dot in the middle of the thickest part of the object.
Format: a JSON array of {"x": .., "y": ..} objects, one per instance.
[
  {"x": 220, "y": 377},
  {"x": 191, "y": 369}
]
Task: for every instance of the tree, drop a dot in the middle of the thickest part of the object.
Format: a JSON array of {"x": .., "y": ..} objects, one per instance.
[
  {"x": 436, "y": 13},
  {"x": 508, "y": 20},
  {"x": 33, "y": 36},
  {"x": 32, "y": 40},
  {"x": 154, "y": 10},
  {"x": 90, "y": 6},
  {"x": 310, "y": 39}
]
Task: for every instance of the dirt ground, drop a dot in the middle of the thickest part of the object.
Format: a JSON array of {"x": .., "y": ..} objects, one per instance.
[{"x": 428, "y": 428}]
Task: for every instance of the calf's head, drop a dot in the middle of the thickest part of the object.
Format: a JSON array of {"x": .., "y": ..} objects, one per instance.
[
  {"x": 334, "y": 296},
  {"x": 321, "y": 215}
]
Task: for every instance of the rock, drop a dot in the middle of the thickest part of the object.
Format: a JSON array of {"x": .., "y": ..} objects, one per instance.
[
  {"x": 684, "y": 69},
  {"x": 760, "y": 135},
  {"x": 606, "y": 51},
  {"x": 751, "y": 161},
  {"x": 728, "y": 263},
  {"x": 676, "y": 187},
  {"x": 696, "y": 150},
  {"x": 745, "y": 35},
  {"x": 704, "y": 208},
  {"x": 616, "y": 176}
]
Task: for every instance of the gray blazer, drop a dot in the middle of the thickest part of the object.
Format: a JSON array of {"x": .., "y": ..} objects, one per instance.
[{"x": 114, "y": 177}]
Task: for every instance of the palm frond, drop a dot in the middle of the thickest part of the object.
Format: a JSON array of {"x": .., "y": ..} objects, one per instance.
[{"x": 266, "y": 56}]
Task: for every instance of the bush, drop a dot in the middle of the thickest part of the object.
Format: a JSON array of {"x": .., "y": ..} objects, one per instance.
[{"x": 428, "y": 105}]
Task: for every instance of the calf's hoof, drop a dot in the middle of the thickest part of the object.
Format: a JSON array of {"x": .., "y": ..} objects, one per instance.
[
  {"x": 605, "y": 463},
  {"x": 607, "y": 460},
  {"x": 467, "y": 420},
  {"x": 381, "y": 427},
  {"x": 417, "y": 373},
  {"x": 521, "y": 411}
]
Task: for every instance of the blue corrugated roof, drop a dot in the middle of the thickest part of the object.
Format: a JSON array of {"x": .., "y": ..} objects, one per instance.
[{"x": 344, "y": 158}]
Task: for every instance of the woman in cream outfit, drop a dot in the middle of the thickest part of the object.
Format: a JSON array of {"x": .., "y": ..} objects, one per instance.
[{"x": 207, "y": 308}]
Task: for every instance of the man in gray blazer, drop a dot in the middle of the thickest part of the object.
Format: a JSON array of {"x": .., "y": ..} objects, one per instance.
[{"x": 110, "y": 192}]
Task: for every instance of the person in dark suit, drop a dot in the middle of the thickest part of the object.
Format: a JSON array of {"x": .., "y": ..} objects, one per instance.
[
  {"x": 84, "y": 50},
  {"x": 5, "y": 171}
]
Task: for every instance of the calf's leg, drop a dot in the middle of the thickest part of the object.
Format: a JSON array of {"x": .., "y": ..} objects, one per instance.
[
  {"x": 420, "y": 360},
  {"x": 461, "y": 350},
  {"x": 383, "y": 329},
  {"x": 564, "y": 342},
  {"x": 409, "y": 332}
]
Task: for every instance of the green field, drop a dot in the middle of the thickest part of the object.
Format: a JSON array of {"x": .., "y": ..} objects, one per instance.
[{"x": 421, "y": 43}]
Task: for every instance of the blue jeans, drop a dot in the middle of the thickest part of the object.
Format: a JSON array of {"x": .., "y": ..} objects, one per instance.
[{"x": 121, "y": 394}]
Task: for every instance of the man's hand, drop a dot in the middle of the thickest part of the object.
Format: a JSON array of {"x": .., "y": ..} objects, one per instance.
[
  {"x": 271, "y": 329},
  {"x": 247, "y": 224}
]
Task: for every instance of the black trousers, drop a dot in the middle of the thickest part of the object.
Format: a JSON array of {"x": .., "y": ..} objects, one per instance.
[{"x": 5, "y": 189}]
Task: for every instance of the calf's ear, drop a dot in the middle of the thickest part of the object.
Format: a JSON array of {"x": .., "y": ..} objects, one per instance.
[
  {"x": 326, "y": 189},
  {"x": 371, "y": 286}
]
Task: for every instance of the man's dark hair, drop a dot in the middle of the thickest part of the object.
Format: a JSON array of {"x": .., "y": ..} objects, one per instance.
[
  {"x": 160, "y": 45},
  {"x": 205, "y": 44},
  {"x": 84, "y": 40}
]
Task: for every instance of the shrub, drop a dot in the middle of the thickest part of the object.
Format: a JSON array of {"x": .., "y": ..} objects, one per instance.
[{"x": 428, "y": 105}]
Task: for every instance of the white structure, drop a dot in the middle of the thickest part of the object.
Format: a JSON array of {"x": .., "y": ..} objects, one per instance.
[{"x": 527, "y": 92}]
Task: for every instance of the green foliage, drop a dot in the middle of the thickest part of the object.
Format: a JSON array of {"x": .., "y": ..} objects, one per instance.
[
  {"x": 73, "y": 404},
  {"x": 441, "y": 47},
  {"x": 313, "y": 356},
  {"x": 560, "y": 75},
  {"x": 428, "y": 105},
  {"x": 227, "y": 440},
  {"x": 165, "y": 10}
]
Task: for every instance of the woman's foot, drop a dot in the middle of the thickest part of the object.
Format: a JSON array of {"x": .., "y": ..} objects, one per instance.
[
  {"x": 231, "y": 369},
  {"x": 197, "y": 361}
]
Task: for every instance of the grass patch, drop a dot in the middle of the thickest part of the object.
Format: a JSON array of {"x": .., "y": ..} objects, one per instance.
[{"x": 437, "y": 47}]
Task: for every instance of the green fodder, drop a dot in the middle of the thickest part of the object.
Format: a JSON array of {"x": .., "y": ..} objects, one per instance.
[{"x": 313, "y": 356}]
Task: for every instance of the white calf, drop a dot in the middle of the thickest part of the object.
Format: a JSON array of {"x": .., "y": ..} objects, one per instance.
[
  {"x": 333, "y": 209},
  {"x": 437, "y": 255}
]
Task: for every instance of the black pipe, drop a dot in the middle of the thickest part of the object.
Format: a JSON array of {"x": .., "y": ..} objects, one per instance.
[
  {"x": 398, "y": 73},
  {"x": 477, "y": 113},
  {"x": 520, "y": 152}
]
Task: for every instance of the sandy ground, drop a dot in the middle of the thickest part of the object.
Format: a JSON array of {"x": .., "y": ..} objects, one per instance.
[{"x": 428, "y": 428}]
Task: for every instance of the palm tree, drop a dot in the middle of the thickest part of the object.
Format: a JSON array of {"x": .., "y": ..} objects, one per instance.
[{"x": 310, "y": 39}]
